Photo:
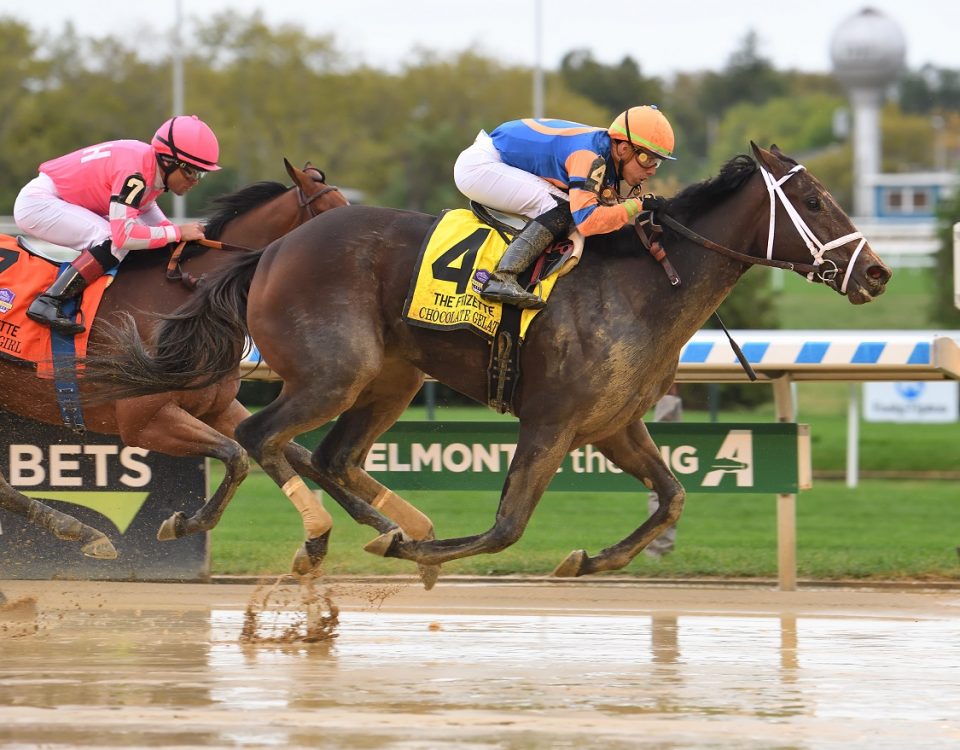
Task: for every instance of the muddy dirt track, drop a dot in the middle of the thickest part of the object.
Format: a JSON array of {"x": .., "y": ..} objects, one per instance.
[{"x": 476, "y": 665}]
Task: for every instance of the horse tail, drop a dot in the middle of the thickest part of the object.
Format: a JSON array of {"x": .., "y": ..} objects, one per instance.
[{"x": 195, "y": 346}]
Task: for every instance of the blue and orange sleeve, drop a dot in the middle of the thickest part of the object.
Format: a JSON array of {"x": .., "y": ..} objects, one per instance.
[{"x": 590, "y": 216}]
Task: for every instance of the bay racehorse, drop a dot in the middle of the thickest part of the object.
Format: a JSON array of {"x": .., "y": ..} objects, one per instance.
[
  {"x": 325, "y": 305},
  {"x": 187, "y": 423}
]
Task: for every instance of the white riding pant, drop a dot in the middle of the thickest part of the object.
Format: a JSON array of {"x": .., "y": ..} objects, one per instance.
[
  {"x": 481, "y": 175},
  {"x": 41, "y": 212}
]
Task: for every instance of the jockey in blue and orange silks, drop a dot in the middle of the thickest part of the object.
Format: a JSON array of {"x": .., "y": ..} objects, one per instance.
[
  {"x": 102, "y": 201},
  {"x": 559, "y": 173}
]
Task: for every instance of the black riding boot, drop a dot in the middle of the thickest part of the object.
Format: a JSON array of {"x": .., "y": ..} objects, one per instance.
[
  {"x": 526, "y": 247},
  {"x": 89, "y": 266},
  {"x": 46, "y": 308}
]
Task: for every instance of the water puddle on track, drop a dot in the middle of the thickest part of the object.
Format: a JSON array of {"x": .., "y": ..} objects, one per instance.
[{"x": 94, "y": 676}]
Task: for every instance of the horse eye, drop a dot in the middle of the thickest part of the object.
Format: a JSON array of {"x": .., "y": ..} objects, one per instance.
[{"x": 813, "y": 203}]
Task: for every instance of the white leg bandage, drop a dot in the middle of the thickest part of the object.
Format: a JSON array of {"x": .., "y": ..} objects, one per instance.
[
  {"x": 415, "y": 524},
  {"x": 316, "y": 520}
]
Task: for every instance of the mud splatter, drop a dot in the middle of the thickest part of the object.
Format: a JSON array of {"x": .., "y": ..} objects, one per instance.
[
  {"x": 373, "y": 595},
  {"x": 278, "y": 614},
  {"x": 18, "y": 618}
]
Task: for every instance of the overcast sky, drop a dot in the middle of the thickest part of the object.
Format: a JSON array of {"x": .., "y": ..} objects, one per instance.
[{"x": 671, "y": 36}]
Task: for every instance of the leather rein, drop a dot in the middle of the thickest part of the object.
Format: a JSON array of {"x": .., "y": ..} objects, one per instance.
[
  {"x": 649, "y": 231},
  {"x": 176, "y": 273},
  {"x": 736, "y": 255}
]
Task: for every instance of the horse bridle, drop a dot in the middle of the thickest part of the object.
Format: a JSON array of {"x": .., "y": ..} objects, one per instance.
[
  {"x": 306, "y": 201},
  {"x": 817, "y": 249},
  {"x": 176, "y": 273}
]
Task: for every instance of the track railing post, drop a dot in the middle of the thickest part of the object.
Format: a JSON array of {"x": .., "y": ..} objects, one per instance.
[{"x": 786, "y": 504}]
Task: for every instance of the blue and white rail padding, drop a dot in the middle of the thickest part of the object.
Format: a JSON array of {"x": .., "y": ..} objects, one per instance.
[
  {"x": 823, "y": 355},
  {"x": 804, "y": 355}
]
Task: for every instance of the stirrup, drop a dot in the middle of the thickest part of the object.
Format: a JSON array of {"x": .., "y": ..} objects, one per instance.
[
  {"x": 508, "y": 295},
  {"x": 58, "y": 322},
  {"x": 66, "y": 326}
]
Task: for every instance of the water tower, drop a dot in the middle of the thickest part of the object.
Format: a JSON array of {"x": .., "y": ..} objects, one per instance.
[{"x": 868, "y": 51}]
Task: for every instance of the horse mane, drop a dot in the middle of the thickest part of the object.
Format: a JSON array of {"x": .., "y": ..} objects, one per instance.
[
  {"x": 704, "y": 195},
  {"x": 228, "y": 207},
  {"x": 685, "y": 205}
]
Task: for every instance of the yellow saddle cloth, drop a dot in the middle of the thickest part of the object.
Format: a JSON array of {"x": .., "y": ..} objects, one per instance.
[{"x": 456, "y": 260}]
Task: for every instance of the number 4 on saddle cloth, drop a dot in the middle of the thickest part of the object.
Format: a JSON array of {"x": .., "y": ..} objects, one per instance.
[
  {"x": 25, "y": 273},
  {"x": 457, "y": 258}
]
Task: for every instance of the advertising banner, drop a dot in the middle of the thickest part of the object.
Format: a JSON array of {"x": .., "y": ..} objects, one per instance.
[
  {"x": 124, "y": 492},
  {"x": 706, "y": 457},
  {"x": 911, "y": 402}
]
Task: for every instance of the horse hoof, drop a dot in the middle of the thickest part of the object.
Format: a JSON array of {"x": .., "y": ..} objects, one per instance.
[
  {"x": 428, "y": 575},
  {"x": 311, "y": 555},
  {"x": 172, "y": 528},
  {"x": 571, "y": 567},
  {"x": 382, "y": 544},
  {"x": 100, "y": 548},
  {"x": 302, "y": 564}
]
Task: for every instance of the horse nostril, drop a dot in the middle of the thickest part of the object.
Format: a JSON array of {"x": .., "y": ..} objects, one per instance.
[{"x": 878, "y": 273}]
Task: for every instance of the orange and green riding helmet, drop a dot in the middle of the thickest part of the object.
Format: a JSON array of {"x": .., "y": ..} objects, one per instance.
[{"x": 645, "y": 127}]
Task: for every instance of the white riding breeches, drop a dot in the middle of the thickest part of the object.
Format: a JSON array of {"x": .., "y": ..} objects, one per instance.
[
  {"x": 481, "y": 175},
  {"x": 40, "y": 212}
]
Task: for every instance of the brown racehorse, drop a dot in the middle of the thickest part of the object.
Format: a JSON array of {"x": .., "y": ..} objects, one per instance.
[
  {"x": 188, "y": 423},
  {"x": 325, "y": 305}
]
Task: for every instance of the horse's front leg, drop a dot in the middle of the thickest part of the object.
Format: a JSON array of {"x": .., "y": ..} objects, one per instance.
[
  {"x": 337, "y": 463},
  {"x": 160, "y": 423},
  {"x": 93, "y": 543},
  {"x": 540, "y": 452},
  {"x": 633, "y": 450}
]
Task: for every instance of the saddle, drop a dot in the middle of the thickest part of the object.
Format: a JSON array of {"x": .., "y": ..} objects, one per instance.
[
  {"x": 55, "y": 254},
  {"x": 26, "y": 269}
]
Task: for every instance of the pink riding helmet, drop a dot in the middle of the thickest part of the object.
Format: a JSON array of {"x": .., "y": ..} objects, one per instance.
[{"x": 188, "y": 138}]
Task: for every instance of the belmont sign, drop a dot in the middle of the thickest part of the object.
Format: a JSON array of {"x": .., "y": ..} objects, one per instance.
[{"x": 706, "y": 457}]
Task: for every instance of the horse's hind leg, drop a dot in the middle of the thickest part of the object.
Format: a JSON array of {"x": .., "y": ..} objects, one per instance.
[
  {"x": 337, "y": 464},
  {"x": 93, "y": 543},
  {"x": 633, "y": 450},
  {"x": 160, "y": 423}
]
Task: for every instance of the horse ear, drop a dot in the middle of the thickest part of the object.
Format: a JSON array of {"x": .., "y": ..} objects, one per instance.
[
  {"x": 766, "y": 158},
  {"x": 291, "y": 170}
]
